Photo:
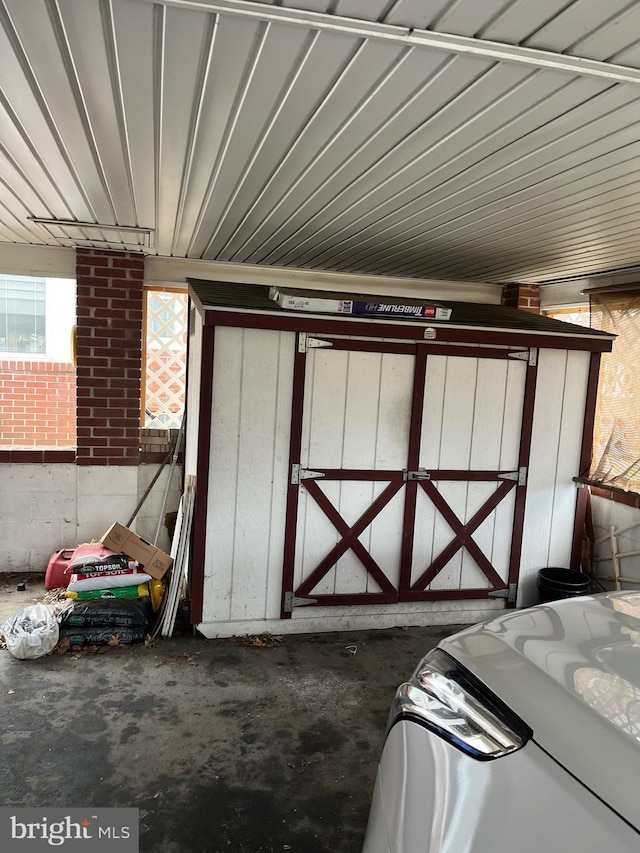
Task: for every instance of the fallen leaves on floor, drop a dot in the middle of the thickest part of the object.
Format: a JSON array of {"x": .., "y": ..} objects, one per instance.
[
  {"x": 52, "y": 596},
  {"x": 262, "y": 641},
  {"x": 63, "y": 646}
]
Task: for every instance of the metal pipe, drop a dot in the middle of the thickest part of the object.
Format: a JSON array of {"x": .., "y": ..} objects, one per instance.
[
  {"x": 575, "y": 65},
  {"x": 176, "y": 451}
]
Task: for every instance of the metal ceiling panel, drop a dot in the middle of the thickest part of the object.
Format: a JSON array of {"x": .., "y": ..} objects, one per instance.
[
  {"x": 491, "y": 140},
  {"x": 576, "y": 23},
  {"x": 472, "y": 213}
]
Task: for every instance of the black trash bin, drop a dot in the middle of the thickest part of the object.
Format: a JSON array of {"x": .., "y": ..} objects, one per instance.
[{"x": 555, "y": 583}]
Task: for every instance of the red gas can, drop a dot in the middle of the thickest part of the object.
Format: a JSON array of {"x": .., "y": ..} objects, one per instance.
[{"x": 57, "y": 570}]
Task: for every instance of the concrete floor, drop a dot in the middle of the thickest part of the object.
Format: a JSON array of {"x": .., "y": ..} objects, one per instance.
[{"x": 222, "y": 746}]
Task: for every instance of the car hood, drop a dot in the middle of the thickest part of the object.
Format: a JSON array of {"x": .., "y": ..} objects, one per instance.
[{"x": 571, "y": 670}]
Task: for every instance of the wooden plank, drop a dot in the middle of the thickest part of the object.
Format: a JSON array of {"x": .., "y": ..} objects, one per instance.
[
  {"x": 394, "y": 411},
  {"x": 512, "y": 415},
  {"x": 432, "y": 412},
  {"x": 455, "y": 447},
  {"x": 316, "y": 537},
  {"x": 486, "y": 444},
  {"x": 280, "y": 472},
  {"x": 488, "y": 415},
  {"x": 502, "y": 521},
  {"x": 431, "y": 533},
  {"x": 223, "y": 474},
  {"x": 364, "y": 617},
  {"x": 478, "y": 493},
  {"x": 362, "y": 404},
  {"x": 325, "y": 400},
  {"x": 323, "y": 427},
  {"x": 569, "y": 453},
  {"x": 458, "y": 413},
  {"x": 545, "y": 449},
  {"x": 295, "y": 445},
  {"x": 386, "y": 537},
  {"x": 257, "y": 434}
]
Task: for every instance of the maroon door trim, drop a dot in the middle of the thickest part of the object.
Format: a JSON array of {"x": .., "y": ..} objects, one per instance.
[
  {"x": 203, "y": 457},
  {"x": 462, "y": 535},
  {"x": 463, "y": 532},
  {"x": 413, "y": 458},
  {"x": 291, "y": 514},
  {"x": 403, "y": 331},
  {"x": 523, "y": 462},
  {"x": 349, "y": 539},
  {"x": 582, "y": 496}
]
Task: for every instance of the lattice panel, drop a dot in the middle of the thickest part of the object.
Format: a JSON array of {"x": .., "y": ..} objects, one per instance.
[{"x": 166, "y": 357}]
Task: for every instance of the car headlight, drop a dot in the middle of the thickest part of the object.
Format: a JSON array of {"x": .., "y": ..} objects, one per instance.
[{"x": 446, "y": 698}]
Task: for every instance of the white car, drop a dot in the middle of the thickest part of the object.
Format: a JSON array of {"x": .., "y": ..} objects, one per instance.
[{"x": 518, "y": 735}]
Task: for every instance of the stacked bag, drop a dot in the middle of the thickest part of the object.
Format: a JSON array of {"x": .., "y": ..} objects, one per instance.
[
  {"x": 114, "y": 598},
  {"x": 106, "y": 622}
]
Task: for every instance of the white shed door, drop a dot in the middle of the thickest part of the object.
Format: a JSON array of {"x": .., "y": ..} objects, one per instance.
[
  {"x": 469, "y": 453},
  {"x": 407, "y": 476}
]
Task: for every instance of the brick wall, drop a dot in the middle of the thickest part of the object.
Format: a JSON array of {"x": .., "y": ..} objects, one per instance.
[
  {"x": 109, "y": 354},
  {"x": 38, "y": 404},
  {"x": 523, "y": 296}
]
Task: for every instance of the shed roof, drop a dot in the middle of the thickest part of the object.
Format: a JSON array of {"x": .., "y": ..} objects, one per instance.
[{"x": 255, "y": 297}]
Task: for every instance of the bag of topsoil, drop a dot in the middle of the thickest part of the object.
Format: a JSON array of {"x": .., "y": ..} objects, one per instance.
[
  {"x": 120, "y": 614},
  {"x": 104, "y": 636},
  {"x": 94, "y": 557},
  {"x": 82, "y": 581},
  {"x": 123, "y": 592}
]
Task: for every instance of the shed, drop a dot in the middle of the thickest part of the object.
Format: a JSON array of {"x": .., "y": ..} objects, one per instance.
[{"x": 378, "y": 469}]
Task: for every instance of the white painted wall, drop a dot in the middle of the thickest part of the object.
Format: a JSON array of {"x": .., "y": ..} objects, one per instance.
[
  {"x": 251, "y": 414},
  {"x": 555, "y": 459},
  {"x": 47, "y": 507}
]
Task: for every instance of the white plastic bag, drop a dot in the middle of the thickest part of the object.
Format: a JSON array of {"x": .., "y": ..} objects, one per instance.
[{"x": 32, "y": 632}]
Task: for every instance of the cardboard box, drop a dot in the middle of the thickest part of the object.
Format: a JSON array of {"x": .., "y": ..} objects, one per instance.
[
  {"x": 119, "y": 538},
  {"x": 297, "y": 300}
]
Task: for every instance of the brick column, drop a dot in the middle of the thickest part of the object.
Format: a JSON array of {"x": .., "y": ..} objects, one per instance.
[
  {"x": 523, "y": 296},
  {"x": 109, "y": 356}
]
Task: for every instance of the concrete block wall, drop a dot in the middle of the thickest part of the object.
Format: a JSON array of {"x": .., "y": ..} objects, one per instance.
[
  {"x": 45, "y": 507},
  {"x": 38, "y": 404}
]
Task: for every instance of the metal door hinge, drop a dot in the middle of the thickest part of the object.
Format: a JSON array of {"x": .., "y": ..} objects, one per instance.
[
  {"x": 528, "y": 355},
  {"x": 299, "y": 473},
  {"x": 509, "y": 593},
  {"x": 520, "y": 476},
  {"x": 306, "y": 342},
  {"x": 291, "y": 601},
  {"x": 420, "y": 474}
]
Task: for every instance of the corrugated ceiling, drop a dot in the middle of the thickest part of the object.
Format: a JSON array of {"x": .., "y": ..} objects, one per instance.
[{"x": 328, "y": 134}]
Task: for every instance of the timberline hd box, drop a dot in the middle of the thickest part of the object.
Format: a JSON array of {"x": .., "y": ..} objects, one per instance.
[
  {"x": 296, "y": 300},
  {"x": 119, "y": 538}
]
